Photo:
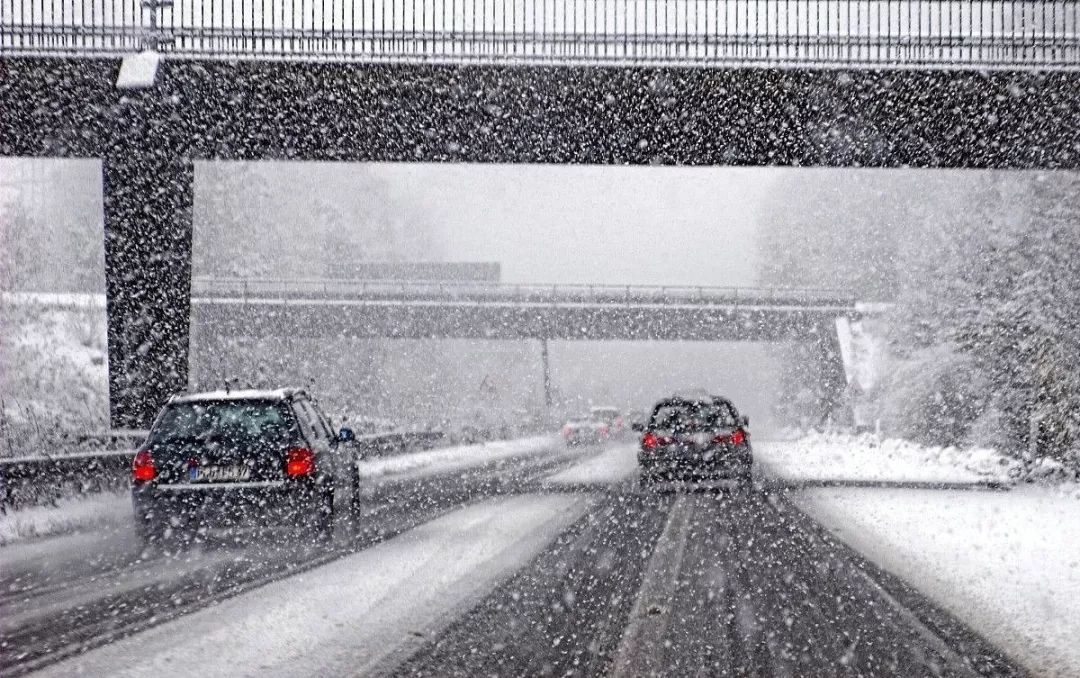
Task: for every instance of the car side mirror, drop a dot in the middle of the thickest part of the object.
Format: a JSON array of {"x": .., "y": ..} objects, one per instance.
[
  {"x": 744, "y": 421},
  {"x": 346, "y": 435},
  {"x": 638, "y": 426}
]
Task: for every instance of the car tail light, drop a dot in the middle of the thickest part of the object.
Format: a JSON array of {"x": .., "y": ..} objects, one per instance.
[
  {"x": 604, "y": 430},
  {"x": 736, "y": 437},
  {"x": 299, "y": 461},
  {"x": 648, "y": 441},
  {"x": 567, "y": 431},
  {"x": 142, "y": 468}
]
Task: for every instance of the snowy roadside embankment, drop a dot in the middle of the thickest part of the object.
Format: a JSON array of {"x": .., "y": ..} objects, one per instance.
[
  {"x": 68, "y": 515},
  {"x": 824, "y": 457},
  {"x": 453, "y": 459},
  {"x": 53, "y": 368},
  {"x": 615, "y": 464},
  {"x": 352, "y": 616},
  {"x": 1005, "y": 563}
]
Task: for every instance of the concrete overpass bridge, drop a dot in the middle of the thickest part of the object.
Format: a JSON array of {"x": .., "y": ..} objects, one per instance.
[
  {"x": 858, "y": 83},
  {"x": 369, "y": 309},
  {"x": 421, "y": 310}
]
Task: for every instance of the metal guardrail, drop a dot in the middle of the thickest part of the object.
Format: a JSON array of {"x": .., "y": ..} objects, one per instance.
[
  {"x": 30, "y": 481},
  {"x": 1041, "y": 34},
  {"x": 510, "y": 293}
]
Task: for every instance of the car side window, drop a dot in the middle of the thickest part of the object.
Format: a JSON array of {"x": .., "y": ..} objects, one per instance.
[
  {"x": 323, "y": 420},
  {"x": 310, "y": 419},
  {"x": 726, "y": 415}
]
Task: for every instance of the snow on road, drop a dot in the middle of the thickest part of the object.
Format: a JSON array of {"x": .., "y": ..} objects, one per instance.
[
  {"x": 349, "y": 616},
  {"x": 1006, "y": 563},
  {"x": 68, "y": 515},
  {"x": 451, "y": 459},
  {"x": 840, "y": 457},
  {"x": 615, "y": 464},
  {"x": 53, "y": 366},
  {"x": 68, "y": 554}
]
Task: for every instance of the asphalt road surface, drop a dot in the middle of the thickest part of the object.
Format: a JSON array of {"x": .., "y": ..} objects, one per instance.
[{"x": 712, "y": 581}]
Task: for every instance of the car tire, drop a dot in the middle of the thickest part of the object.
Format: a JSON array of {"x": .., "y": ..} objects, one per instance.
[
  {"x": 149, "y": 532},
  {"x": 744, "y": 477},
  {"x": 646, "y": 479},
  {"x": 747, "y": 472},
  {"x": 324, "y": 519}
]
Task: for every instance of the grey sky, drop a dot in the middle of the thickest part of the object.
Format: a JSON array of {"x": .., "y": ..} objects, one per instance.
[
  {"x": 621, "y": 225},
  {"x": 578, "y": 224}
]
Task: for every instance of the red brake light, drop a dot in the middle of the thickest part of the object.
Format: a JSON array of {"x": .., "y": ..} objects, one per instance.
[
  {"x": 736, "y": 437},
  {"x": 567, "y": 431},
  {"x": 142, "y": 468},
  {"x": 604, "y": 430},
  {"x": 648, "y": 441},
  {"x": 299, "y": 461}
]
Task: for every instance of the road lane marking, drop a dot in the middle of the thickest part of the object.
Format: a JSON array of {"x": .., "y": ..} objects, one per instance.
[{"x": 640, "y": 651}]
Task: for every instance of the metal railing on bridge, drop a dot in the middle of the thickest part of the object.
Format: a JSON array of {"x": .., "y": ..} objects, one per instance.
[
  {"x": 407, "y": 291},
  {"x": 1041, "y": 34}
]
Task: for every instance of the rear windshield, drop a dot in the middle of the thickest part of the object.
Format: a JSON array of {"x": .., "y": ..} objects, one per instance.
[
  {"x": 607, "y": 416},
  {"x": 235, "y": 420},
  {"x": 692, "y": 417}
]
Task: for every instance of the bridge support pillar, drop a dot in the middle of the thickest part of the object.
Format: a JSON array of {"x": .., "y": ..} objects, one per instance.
[
  {"x": 833, "y": 382},
  {"x": 547, "y": 372},
  {"x": 148, "y": 200}
]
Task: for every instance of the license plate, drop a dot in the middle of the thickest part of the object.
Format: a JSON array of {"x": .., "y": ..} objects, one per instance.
[{"x": 218, "y": 474}]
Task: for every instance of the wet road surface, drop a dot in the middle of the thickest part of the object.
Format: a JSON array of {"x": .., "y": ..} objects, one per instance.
[{"x": 682, "y": 581}]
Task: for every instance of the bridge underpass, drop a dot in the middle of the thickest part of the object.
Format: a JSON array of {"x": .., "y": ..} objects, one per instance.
[
  {"x": 995, "y": 86},
  {"x": 417, "y": 310}
]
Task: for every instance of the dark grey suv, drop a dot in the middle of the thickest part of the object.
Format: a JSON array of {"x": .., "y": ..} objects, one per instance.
[
  {"x": 694, "y": 438},
  {"x": 242, "y": 458}
]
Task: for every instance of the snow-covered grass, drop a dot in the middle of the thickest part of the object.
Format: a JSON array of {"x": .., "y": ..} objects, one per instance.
[
  {"x": 353, "y": 615},
  {"x": 1006, "y": 563},
  {"x": 68, "y": 515},
  {"x": 615, "y": 464},
  {"x": 867, "y": 458},
  {"x": 53, "y": 368},
  {"x": 452, "y": 459}
]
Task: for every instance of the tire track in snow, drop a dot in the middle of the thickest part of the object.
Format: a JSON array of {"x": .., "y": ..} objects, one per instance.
[{"x": 77, "y": 617}]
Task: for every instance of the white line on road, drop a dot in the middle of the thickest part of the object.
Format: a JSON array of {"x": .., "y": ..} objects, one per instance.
[
  {"x": 345, "y": 617},
  {"x": 640, "y": 650}
]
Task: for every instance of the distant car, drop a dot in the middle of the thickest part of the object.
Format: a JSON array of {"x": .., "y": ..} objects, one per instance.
[
  {"x": 585, "y": 431},
  {"x": 611, "y": 417},
  {"x": 694, "y": 438},
  {"x": 267, "y": 458}
]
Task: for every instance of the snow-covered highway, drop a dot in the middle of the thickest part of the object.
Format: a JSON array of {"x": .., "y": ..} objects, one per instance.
[{"x": 525, "y": 557}]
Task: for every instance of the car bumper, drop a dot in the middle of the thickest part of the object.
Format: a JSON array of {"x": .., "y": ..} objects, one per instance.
[
  {"x": 277, "y": 503},
  {"x": 722, "y": 462},
  {"x": 584, "y": 438}
]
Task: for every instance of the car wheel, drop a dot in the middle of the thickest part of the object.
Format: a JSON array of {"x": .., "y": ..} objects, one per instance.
[
  {"x": 646, "y": 479},
  {"x": 149, "y": 532},
  {"x": 324, "y": 520},
  {"x": 747, "y": 471}
]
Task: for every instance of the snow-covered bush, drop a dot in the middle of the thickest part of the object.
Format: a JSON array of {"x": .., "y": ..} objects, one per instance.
[
  {"x": 53, "y": 371},
  {"x": 933, "y": 397}
]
